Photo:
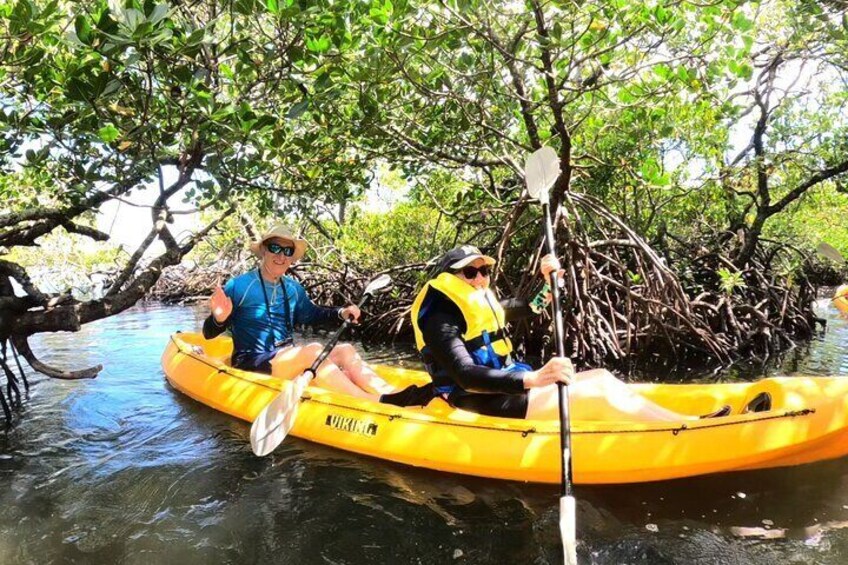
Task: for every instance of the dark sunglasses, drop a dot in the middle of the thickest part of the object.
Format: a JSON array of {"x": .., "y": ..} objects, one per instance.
[
  {"x": 278, "y": 249},
  {"x": 470, "y": 273}
]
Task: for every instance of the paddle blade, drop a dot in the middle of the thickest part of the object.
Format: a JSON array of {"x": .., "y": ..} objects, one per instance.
[
  {"x": 568, "y": 529},
  {"x": 378, "y": 284},
  {"x": 273, "y": 424},
  {"x": 830, "y": 252},
  {"x": 541, "y": 171}
]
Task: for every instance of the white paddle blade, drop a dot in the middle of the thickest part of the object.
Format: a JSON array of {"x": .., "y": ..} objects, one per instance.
[
  {"x": 541, "y": 171},
  {"x": 378, "y": 284},
  {"x": 273, "y": 424},
  {"x": 568, "y": 529},
  {"x": 830, "y": 252}
]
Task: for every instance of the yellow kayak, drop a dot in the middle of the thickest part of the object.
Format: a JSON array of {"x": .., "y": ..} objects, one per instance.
[
  {"x": 840, "y": 299},
  {"x": 808, "y": 422}
]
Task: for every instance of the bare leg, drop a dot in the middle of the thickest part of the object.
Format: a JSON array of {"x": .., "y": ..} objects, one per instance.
[
  {"x": 599, "y": 395},
  {"x": 292, "y": 361},
  {"x": 358, "y": 371}
]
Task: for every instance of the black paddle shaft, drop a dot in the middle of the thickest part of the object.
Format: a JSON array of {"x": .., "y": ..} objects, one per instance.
[
  {"x": 335, "y": 338},
  {"x": 565, "y": 436}
]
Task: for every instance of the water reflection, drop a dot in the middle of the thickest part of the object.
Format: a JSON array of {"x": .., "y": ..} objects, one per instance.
[{"x": 124, "y": 469}]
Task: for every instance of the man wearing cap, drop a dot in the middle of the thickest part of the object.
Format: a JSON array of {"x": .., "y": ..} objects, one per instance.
[
  {"x": 459, "y": 327},
  {"x": 261, "y": 308}
]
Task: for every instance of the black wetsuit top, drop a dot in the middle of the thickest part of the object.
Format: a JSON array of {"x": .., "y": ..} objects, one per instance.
[{"x": 481, "y": 389}]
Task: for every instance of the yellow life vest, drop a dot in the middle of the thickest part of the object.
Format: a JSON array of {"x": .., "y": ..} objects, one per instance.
[{"x": 480, "y": 308}]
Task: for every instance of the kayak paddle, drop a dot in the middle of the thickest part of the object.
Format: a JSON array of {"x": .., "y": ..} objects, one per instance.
[
  {"x": 830, "y": 252},
  {"x": 271, "y": 426},
  {"x": 541, "y": 171}
]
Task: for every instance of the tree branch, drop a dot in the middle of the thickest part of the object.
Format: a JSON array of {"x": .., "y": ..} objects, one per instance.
[{"x": 22, "y": 345}]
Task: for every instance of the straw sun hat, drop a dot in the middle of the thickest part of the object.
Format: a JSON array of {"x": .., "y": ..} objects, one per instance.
[{"x": 283, "y": 232}]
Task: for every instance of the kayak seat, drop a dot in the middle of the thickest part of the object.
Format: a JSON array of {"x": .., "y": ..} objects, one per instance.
[
  {"x": 720, "y": 413},
  {"x": 224, "y": 358},
  {"x": 438, "y": 407},
  {"x": 760, "y": 403}
]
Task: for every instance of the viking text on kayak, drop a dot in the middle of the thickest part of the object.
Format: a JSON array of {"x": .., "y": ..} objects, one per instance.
[{"x": 346, "y": 424}]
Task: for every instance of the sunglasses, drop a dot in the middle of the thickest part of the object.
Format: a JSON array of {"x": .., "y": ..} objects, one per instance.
[
  {"x": 470, "y": 273},
  {"x": 278, "y": 249}
]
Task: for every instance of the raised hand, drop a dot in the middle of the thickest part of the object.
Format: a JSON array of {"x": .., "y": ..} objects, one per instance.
[
  {"x": 558, "y": 369},
  {"x": 549, "y": 264},
  {"x": 220, "y": 304}
]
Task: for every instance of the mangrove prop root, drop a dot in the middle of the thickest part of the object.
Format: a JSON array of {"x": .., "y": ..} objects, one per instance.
[
  {"x": 12, "y": 397},
  {"x": 6, "y": 410},
  {"x": 21, "y": 371},
  {"x": 22, "y": 346}
]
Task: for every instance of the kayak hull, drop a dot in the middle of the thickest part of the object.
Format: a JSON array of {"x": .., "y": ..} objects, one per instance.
[
  {"x": 807, "y": 423},
  {"x": 840, "y": 299}
]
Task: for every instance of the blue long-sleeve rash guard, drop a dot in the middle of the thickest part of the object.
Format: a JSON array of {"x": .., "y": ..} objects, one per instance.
[{"x": 253, "y": 329}]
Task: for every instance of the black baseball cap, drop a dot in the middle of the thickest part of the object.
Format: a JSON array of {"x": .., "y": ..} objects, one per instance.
[{"x": 461, "y": 256}]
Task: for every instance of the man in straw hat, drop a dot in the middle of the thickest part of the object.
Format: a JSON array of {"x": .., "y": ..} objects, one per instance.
[{"x": 261, "y": 307}]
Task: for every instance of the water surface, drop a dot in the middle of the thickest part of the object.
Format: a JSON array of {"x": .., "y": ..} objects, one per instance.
[{"x": 124, "y": 469}]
